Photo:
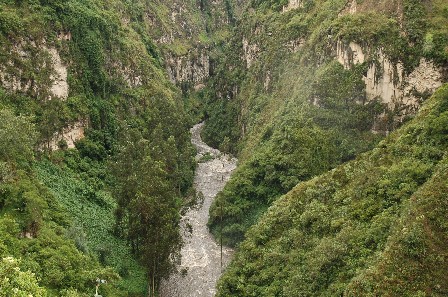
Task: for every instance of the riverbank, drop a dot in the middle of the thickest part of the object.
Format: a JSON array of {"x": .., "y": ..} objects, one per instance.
[{"x": 201, "y": 268}]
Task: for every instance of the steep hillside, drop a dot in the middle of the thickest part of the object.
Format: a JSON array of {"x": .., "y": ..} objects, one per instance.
[
  {"x": 375, "y": 226},
  {"x": 306, "y": 85},
  {"x": 187, "y": 32},
  {"x": 96, "y": 164},
  {"x": 94, "y": 144}
]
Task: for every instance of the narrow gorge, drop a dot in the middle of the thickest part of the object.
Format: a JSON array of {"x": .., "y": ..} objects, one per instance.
[
  {"x": 201, "y": 262},
  {"x": 320, "y": 161}
]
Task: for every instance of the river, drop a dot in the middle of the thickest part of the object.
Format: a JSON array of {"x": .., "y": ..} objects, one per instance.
[{"x": 201, "y": 254}]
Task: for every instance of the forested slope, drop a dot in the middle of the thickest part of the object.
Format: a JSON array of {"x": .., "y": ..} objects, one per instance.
[
  {"x": 95, "y": 153},
  {"x": 375, "y": 226},
  {"x": 306, "y": 85},
  {"x": 96, "y": 99}
]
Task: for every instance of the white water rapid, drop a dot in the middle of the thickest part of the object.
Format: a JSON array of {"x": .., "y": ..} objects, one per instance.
[{"x": 201, "y": 255}]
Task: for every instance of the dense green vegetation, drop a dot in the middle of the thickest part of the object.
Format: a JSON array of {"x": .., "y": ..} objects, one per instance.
[
  {"x": 17, "y": 283},
  {"x": 150, "y": 179},
  {"x": 90, "y": 211},
  {"x": 66, "y": 215},
  {"x": 109, "y": 207},
  {"x": 305, "y": 141},
  {"x": 35, "y": 227},
  {"x": 375, "y": 226},
  {"x": 293, "y": 112}
]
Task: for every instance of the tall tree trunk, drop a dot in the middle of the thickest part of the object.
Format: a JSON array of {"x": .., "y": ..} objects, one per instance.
[{"x": 154, "y": 274}]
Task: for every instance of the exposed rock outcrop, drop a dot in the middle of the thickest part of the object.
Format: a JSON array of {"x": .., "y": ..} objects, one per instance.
[
  {"x": 388, "y": 82},
  {"x": 295, "y": 45},
  {"x": 59, "y": 86},
  {"x": 53, "y": 80},
  {"x": 193, "y": 67},
  {"x": 250, "y": 51},
  {"x": 128, "y": 73},
  {"x": 293, "y": 4},
  {"x": 350, "y": 8},
  {"x": 349, "y": 55},
  {"x": 68, "y": 136}
]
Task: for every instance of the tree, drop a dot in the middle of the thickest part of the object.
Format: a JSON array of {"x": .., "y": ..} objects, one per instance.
[
  {"x": 155, "y": 222},
  {"x": 148, "y": 203},
  {"x": 14, "y": 282},
  {"x": 125, "y": 169},
  {"x": 17, "y": 137}
]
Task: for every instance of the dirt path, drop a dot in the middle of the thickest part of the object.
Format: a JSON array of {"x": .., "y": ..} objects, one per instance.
[{"x": 201, "y": 255}]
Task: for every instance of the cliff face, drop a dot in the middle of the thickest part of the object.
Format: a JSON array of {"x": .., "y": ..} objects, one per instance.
[
  {"x": 18, "y": 75},
  {"x": 19, "y": 62},
  {"x": 304, "y": 87},
  {"x": 79, "y": 81},
  {"x": 388, "y": 82},
  {"x": 346, "y": 72},
  {"x": 388, "y": 79},
  {"x": 194, "y": 67},
  {"x": 187, "y": 32},
  {"x": 179, "y": 36}
]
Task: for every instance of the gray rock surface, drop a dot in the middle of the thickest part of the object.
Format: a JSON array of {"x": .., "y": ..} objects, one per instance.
[{"x": 201, "y": 255}]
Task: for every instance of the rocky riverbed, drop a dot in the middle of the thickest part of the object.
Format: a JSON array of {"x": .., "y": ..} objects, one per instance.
[{"x": 201, "y": 255}]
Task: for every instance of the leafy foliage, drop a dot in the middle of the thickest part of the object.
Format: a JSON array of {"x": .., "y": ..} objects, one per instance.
[
  {"x": 304, "y": 140},
  {"x": 372, "y": 226},
  {"x": 14, "y": 282},
  {"x": 61, "y": 205},
  {"x": 17, "y": 137},
  {"x": 150, "y": 175},
  {"x": 288, "y": 109},
  {"x": 91, "y": 215}
]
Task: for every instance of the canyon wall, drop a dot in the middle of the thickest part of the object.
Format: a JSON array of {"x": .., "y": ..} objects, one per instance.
[{"x": 388, "y": 82}]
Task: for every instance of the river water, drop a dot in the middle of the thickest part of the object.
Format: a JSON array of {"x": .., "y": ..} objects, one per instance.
[{"x": 201, "y": 254}]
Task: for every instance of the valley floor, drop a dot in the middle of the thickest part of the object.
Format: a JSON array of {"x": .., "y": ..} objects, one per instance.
[{"x": 201, "y": 255}]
